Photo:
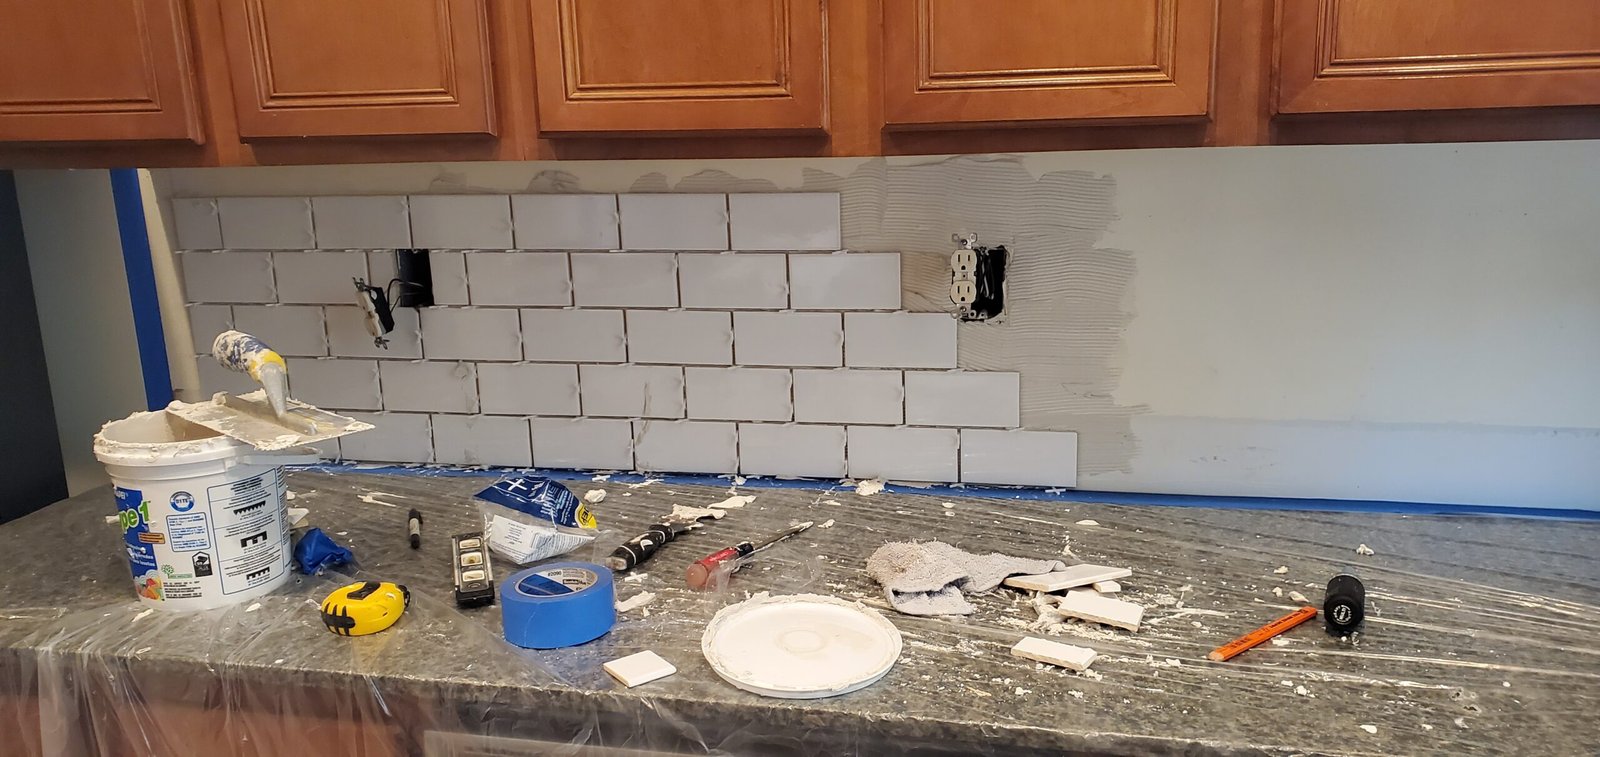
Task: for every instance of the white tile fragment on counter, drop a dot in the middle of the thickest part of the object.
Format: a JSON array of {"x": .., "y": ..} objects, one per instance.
[
  {"x": 1054, "y": 653},
  {"x": 1088, "y": 604},
  {"x": 638, "y": 669}
]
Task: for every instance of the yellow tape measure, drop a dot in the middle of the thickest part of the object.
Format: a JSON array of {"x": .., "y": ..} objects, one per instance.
[{"x": 364, "y": 607}]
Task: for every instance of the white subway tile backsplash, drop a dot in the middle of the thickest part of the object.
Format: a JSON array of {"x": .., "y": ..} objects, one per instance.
[
  {"x": 290, "y": 330},
  {"x": 794, "y": 339},
  {"x": 461, "y": 222},
  {"x": 855, "y": 281},
  {"x": 361, "y": 222},
  {"x": 899, "y": 340},
  {"x": 318, "y": 278},
  {"x": 228, "y": 277},
  {"x": 1026, "y": 458},
  {"x": 735, "y": 394},
  {"x": 266, "y": 223},
  {"x": 903, "y": 454},
  {"x": 195, "y": 225},
  {"x": 845, "y": 395},
  {"x": 962, "y": 398},
  {"x": 733, "y": 281},
  {"x": 686, "y": 446},
  {"x": 429, "y": 387},
  {"x": 528, "y": 389},
  {"x": 206, "y": 322},
  {"x": 631, "y": 391},
  {"x": 396, "y": 438},
  {"x": 680, "y": 337},
  {"x": 348, "y": 336},
  {"x": 214, "y": 378},
  {"x": 772, "y": 449},
  {"x": 518, "y": 278},
  {"x": 784, "y": 221},
  {"x": 574, "y": 336},
  {"x": 674, "y": 221},
  {"x": 471, "y": 334},
  {"x": 604, "y": 443},
  {"x": 565, "y": 222},
  {"x": 634, "y": 280},
  {"x": 481, "y": 440},
  {"x": 336, "y": 384}
]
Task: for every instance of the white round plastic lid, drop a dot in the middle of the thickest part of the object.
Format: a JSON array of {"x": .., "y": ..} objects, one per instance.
[{"x": 800, "y": 646}]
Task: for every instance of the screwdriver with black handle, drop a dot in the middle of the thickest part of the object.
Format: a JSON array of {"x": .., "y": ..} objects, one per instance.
[{"x": 702, "y": 573}]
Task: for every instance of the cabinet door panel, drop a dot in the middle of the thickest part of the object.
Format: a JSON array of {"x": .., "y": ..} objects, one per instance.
[
  {"x": 73, "y": 70},
  {"x": 359, "y": 67},
  {"x": 1375, "y": 55},
  {"x": 954, "y": 62},
  {"x": 679, "y": 66}
]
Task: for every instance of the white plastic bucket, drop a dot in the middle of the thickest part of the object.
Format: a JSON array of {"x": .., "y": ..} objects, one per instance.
[{"x": 202, "y": 515}]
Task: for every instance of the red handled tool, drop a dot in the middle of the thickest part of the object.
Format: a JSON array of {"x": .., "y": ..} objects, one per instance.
[{"x": 702, "y": 573}]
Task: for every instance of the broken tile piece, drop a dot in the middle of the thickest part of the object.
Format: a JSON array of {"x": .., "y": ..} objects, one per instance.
[
  {"x": 1089, "y": 605},
  {"x": 1106, "y": 587},
  {"x": 1077, "y": 575},
  {"x": 641, "y": 668},
  {"x": 1054, "y": 653}
]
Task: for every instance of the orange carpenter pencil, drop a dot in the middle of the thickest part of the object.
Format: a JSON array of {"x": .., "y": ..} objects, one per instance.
[{"x": 1232, "y": 649}]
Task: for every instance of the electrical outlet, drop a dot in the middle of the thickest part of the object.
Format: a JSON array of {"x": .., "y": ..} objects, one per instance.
[
  {"x": 964, "y": 261},
  {"x": 963, "y": 292},
  {"x": 977, "y": 279}
]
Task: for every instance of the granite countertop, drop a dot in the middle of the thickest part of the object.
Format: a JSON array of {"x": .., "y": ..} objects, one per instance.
[{"x": 1480, "y": 636}]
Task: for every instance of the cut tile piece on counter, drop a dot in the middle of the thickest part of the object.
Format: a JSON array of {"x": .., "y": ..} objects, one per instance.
[
  {"x": 1054, "y": 653},
  {"x": 1088, "y": 604},
  {"x": 1073, "y": 577},
  {"x": 637, "y": 669},
  {"x": 1106, "y": 587}
]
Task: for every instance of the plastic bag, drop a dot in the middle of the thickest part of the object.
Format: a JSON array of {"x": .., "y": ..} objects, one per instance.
[{"x": 527, "y": 519}]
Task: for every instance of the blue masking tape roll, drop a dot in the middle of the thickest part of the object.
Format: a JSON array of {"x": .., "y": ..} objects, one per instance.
[{"x": 558, "y": 605}]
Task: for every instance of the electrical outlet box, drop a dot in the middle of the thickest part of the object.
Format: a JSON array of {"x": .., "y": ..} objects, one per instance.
[{"x": 977, "y": 279}]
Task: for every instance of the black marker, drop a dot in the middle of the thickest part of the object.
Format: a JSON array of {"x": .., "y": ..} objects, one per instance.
[{"x": 414, "y": 527}]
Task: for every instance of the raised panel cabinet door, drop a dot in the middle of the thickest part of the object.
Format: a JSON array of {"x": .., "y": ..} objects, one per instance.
[
  {"x": 680, "y": 66},
  {"x": 359, "y": 67},
  {"x": 950, "y": 63},
  {"x": 1376, "y": 55},
  {"x": 95, "y": 70}
]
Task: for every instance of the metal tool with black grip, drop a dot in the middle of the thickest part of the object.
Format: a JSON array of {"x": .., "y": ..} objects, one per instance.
[{"x": 641, "y": 547}]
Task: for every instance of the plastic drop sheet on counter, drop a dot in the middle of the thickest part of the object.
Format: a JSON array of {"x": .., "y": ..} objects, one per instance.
[{"x": 1479, "y": 638}]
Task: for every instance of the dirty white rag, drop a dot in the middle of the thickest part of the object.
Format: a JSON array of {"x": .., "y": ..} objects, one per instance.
[{"x": 928, "y": 578}]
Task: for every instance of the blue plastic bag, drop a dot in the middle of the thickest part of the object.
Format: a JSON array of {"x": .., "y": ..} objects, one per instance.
[{"x": 315, "y": 552}]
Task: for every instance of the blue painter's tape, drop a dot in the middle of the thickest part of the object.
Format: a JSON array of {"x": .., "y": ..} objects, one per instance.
[
  {"x": 558, "y": 605},
  {"x": 141, "y": 274}
]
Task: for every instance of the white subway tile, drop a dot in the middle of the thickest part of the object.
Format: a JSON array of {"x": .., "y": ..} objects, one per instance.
[
  {"x": 429, "y": 387},
  {"x": 566, "y": 222},
  {"x": 738, "y": 394},
  {"x": 266, "y": 223},
  {"x": 1027, "y": 458},
  {"x": 206, "y": 322},
  {"x": 899, "y": 340},
  {"x": 318, "y": 278},
  {"x": 845, "y": 395},
  {"x": 348, "y": 335},
  {"x": 674, "y": 221},
  {"x": 327, "y": 449},
  {"x": 903, "y": 454},
  {"x": 336, "y": 384},
  {"x": 214, "y": 378},
  {"x": 855, "y": 281},
  {"x": 680, "y": 337},
  {"x": 962, "y": 398},
  {"x": 635, "y": 280},
  {"x": 228, "y": 277},
  {"x": 396, "y": 438},
  {"x": 471, "y": 334},
  {"x": 686, "y": 446},
  {"x": 797, "y": 339},
  {"x": 784, "y": 221},
  {"x": 481, "y": 440},
  {"x": 773, "y": 449},
  {"x": 195, "y": 225},
  {"x": 528, "y": 389},
  {"x": 604, "y": 443},
  {"x": 461, "y": 222},
  {"x": 631, "y": 391},
  {"x": 364, "y": 222},
  {"x": 518, "y": 278},
  {"x": 753, "y": 282},
  {"x": 575, "y": 336},
  {"x": 290, "y": 330}
]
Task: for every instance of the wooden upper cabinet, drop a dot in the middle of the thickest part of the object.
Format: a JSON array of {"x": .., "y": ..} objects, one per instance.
[
  {"x": 1376, "y": 55},
  {"x": 680, "y": 66},
  {"x": 359, "y": 67},
  {"x": 77, "y": 70},
  {"x": 1031, "y": 62}
]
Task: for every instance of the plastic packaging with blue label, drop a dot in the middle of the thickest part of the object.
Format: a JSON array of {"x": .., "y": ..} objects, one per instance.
[
  {"x": 528, "y": 518},
  {"x": 558, "y": 605}
]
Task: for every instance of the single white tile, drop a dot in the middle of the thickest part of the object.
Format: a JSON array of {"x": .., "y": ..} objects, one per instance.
[
  {"x": 228, "y": 277},
  {"x": 962, "y": 398},
  {"x": 481, "y": 440},
  {"x": 1088, "y": 604},
  {"x": 266, "y": 223},
  {"x": 631, "y": 391},
  {"x": 797, "y": 339},
  {"x": 755, "y": 282},
  {"x": 206, "y": 322},
  {"x": 518, "y": 278},
  {"x": 445, "y": 387},
  {"x": 680, "y": 337},
  {"x": 324, "y": 277},
  {"x": 195, "y": 225},
  {"x": 395, "y": 438},
  {"x": 775, "y": 449},
  {"x": 904, "y": 454},
  {"x": 566, "y": 222},
  {"x": 846, "y": 395},
  {"x": 214, "y": 378},
  {"x": 686, "y": 446},
  {"x": 856, "y": 281},
  {"x": 639, "y": 669},
  {"x": 381, "y": 268},
  {"x": 365, "y": 222},
  {"x": 899, "y": 340},
  {"x": 604, "y": 443},
  {"x": 348, "y": 335},
  {"x": 784, "y": 221},
  {"x": 335, "y": 384},
  {"x": 528, "y": 389},
  {"x": 674, "y": 221},
  {"x": 290, "y": 330},
  {"x": 635, "y": 280},
  {"x": 461, "y": 222},
  {"x": 1082, "y": 574},
  {"x": 576, "y": 336},
  {"x": 1028, "y": 458},
  {"x": 471, "y": 334},
  {"x": 1054, "y": 653},
  {"x": 449, "y": 273},
  {"x": 738, "y": 394}
]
